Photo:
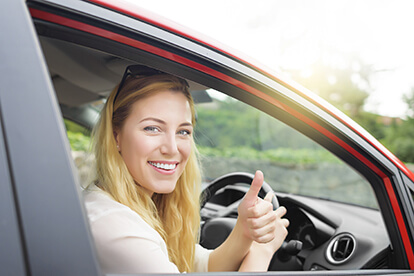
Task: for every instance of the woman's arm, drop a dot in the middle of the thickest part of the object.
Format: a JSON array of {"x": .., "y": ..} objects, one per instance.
[
  {"x": 256, "y": 222},
  {"x": 260, "y": 254},
  {"x": 230, "y": 254}
]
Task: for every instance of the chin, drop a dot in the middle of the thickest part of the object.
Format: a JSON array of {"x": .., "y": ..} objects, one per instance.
[{"x": 165, "y": 189}]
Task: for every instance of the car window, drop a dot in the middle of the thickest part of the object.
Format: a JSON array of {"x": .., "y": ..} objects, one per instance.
[
  {"x": 80, "y": 144},
  {"x": 233, "y": 136},
  {"x": 79, "y": 136}
]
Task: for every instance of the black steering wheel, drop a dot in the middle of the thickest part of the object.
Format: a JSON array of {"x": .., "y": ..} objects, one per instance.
[{"x": 216, "y": 226}]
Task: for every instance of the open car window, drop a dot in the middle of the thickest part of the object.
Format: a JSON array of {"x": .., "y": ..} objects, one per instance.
[{"x": 233, "y": 136}]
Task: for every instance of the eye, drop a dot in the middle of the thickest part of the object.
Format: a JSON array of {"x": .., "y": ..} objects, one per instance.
[
  {"x": 184, "y": 132},
  {"x": 152, "y": 129}
]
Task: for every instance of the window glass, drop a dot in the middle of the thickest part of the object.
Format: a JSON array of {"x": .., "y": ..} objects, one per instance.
[{"x": 235, "y": 137}]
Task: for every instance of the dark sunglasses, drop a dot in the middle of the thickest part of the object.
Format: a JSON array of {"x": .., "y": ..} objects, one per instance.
[{"x": 141, "y": 70}]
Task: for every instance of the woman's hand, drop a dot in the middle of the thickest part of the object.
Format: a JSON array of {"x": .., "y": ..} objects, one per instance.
[
  {"x": 279, "y": 234},
  {"x": 260, "y": 224},
  {"x": 258, "y": 233},
  {"x": 256, "y": 216}
]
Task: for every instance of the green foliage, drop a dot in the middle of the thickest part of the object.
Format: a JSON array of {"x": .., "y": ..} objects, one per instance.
[
  {"x": 399, "y": 137},
  {"x": 409, "y": 101},
  {"x": 286, "y": 156},
  {"x": 78, "y": 141},
  {"x": 74, "y": 127},
  {"x": 228, "y": 124},
  {"x": 79, "y": 137},
  {"x": 346, "y": 87},
  {"x": 233, "y": 124},
  {"x": 372, "y": 123},
  {"x": 399, "y": 140},
  {"x": 232, "y": 129},
  {"x": 403, "y": 148}
]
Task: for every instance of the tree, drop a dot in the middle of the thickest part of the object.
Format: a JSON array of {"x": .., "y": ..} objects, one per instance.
[
  {"x": 409, "y": 101},
  {"x": 346, "y": 85},
  {"x": 399, "y": 138}
]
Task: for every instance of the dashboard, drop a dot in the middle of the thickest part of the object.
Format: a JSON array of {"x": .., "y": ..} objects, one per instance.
[{"x": 334, "y": 236}]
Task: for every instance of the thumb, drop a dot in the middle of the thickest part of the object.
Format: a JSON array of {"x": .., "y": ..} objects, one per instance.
[{"x": 251, "y": 196}]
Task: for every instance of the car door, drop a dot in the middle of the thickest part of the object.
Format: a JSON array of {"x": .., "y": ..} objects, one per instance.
[{"x": 43, "y": 227}]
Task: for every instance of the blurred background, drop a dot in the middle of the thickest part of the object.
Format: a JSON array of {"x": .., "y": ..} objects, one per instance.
[{"x": 358, "y": 55}]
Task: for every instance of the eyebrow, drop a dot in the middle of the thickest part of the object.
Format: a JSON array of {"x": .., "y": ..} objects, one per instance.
[{"x": 163, "y": 122}]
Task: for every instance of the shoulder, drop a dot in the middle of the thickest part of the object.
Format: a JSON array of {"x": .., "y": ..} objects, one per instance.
[
  {"x": 201, "y": 258},
  {"x": 110, "y": 219},
  {"x": 125, "y": 243},
  {"x": 99, "y": 204}
]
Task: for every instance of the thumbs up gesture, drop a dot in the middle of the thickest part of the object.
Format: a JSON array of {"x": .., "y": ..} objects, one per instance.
[{"x": 256, "y": 216}]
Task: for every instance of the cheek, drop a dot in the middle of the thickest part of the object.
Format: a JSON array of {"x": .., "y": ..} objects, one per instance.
[
  {"x": 135, "y": 147},
  {"x": 134, "y": 140},
  {"x": 185, "y": 149}
]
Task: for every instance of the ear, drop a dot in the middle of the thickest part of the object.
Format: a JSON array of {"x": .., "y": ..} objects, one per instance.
[{"x": 116, "y": 137}]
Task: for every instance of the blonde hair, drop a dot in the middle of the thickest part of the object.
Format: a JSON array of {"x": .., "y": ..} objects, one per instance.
[{"x": 174, "y": 216}]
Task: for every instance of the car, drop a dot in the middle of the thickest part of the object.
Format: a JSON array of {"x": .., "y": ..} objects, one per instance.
[{"x": 349, "y": 200}]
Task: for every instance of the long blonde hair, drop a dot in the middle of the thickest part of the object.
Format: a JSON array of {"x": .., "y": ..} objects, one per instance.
[{"x": 174, "y": 216}]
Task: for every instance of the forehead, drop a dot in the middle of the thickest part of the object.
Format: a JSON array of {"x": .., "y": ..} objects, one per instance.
[{"x": 164, "y": 103}]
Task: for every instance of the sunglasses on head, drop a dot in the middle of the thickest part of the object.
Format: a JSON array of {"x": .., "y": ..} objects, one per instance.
[{"x": 143, "y": 71}]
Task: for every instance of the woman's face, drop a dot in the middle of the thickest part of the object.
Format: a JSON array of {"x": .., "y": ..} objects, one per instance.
[{"x": 155, "y": 140}]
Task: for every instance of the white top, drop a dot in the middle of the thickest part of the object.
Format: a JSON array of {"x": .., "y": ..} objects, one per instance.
[{"x": 125, "y": 243}]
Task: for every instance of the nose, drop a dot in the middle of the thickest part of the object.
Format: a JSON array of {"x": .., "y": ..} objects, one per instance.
[{"x": 169, "y": 145}]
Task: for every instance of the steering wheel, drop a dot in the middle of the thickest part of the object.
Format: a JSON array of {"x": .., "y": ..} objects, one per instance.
[{"x": 218, "y": 225}]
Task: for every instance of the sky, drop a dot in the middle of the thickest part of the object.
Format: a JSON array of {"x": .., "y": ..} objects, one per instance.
[{"x": 295, "y": 33}]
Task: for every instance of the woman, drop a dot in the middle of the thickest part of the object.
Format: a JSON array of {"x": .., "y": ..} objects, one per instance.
[{"x": 144, "y": 206}]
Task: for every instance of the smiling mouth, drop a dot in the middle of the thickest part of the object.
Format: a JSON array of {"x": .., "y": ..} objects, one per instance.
[{"x": 163, "y": 166}]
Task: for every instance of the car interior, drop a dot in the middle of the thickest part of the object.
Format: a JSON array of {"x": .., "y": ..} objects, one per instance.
[{"x": 335, "y": 219}]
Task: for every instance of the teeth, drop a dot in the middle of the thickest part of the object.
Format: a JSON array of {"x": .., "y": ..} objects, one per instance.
[{"x": 163, "y": 166}]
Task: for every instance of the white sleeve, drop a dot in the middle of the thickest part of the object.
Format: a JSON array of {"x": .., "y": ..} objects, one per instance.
[
  {"x": 125, "y": 245},
  {"x": 201, "y": 258}
]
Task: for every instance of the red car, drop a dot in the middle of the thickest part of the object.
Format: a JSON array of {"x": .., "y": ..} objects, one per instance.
[{"x": 349, "y": 199}]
